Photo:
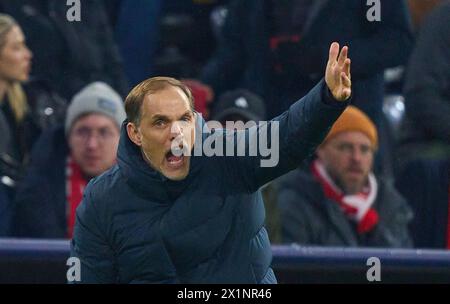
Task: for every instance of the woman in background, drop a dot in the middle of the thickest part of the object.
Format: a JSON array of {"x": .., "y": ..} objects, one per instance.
[{"x": 26, "y": 108}]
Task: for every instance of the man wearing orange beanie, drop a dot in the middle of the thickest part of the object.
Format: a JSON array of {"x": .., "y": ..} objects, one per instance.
[{"x": 339, "y": 201}]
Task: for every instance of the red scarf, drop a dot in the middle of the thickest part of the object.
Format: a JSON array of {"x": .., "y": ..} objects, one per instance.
[
  {"x": 75, "y": 184},
  {"x": 357, "y": 207}
]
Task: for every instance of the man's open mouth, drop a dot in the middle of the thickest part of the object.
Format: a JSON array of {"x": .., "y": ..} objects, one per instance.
[{"x": 175, "y": 157}]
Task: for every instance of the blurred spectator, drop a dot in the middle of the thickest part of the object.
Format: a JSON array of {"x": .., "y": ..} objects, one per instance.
[
  {"x": 69, "y": 55},
  {"x": 25, "y": 108},
  {"x": 419, "y": 10},
  {"x": 202, "y": 96},
  {"x": 340, "y": 202},
  {"x": 65, "y": 159},
  {"x": 426, "y": 186},
  {"x": 187, "y": 38},
  {"x": 112, "y": 9},
  {"x": 137, "y": 31},
  {"x": 278, "y": 49},
  {"x": 426, "y": 128},
  {"x": 422, "y": 161},
  {"x": 239, "y": 105}
]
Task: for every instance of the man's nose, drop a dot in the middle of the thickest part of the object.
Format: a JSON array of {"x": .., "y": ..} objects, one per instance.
[
  {"x": 356, "y": 155},
  {"x": 176, "y": 130},
  {"x": 92, "y": 141},
  {"x": 28, "y": 54}
]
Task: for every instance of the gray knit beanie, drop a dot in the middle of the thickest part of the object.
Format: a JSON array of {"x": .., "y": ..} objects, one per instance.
[{"x": 97, "y": 97}]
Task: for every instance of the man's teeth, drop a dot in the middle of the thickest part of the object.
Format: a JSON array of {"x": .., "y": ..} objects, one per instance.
[{"x": 177, "y": 152}]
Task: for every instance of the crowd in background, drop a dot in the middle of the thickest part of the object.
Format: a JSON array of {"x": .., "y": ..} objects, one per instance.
[{"x": 379, "y": 179}]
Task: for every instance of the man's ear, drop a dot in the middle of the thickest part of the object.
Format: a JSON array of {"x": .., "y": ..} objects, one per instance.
[
  {"x": 134, "y": 134},
  {"x": 320, "y": 152}
]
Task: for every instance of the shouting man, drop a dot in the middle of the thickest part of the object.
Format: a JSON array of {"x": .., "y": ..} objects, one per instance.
[{"x": 164, "y": 216}]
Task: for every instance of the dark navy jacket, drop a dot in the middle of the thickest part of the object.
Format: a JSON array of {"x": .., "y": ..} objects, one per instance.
[
  {"x": 40, "y": 203},
  {"x": 136, "y": 226}
]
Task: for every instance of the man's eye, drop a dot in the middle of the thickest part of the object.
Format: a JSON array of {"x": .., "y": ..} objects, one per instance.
[
  {"x": 365, "y": 149},
  {"x": 105, "y": 133},
  {"x": 186, "y": 118},
  {"x": 159, "y": 123},
  {"x": 83, "y": 132},
  {"x": 342, "y": 147}
]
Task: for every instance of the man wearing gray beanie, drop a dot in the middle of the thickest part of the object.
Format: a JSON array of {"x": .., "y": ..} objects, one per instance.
[
  {"x": 97, "y": 97},
  {"x": 65, "y": 159}
]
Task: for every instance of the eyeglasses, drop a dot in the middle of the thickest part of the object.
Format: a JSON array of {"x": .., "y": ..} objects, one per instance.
[
  {"x": 102, "y": 135},
  {"x": 350, "y": 148}
]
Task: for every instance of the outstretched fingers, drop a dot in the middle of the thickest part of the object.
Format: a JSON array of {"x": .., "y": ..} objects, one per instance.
[
  {"x": 347, "y": 65},
  {"x": 343, "y": 56},
  {"x": 337, "y": 74},
  {"x": 334, "y": 52}
]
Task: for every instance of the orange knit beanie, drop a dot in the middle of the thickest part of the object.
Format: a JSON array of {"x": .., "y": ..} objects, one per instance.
[{"x": 353, "y": 119}]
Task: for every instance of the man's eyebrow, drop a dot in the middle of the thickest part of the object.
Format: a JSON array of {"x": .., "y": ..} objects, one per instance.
[
  {"x": 187, "y": 113},
  {"x": 343, "y": 143},
  {"x": 159, "y": 117},
  {"x": 167, "y": 118}
]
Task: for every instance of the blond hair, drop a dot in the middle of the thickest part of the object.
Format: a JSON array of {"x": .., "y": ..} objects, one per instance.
[{"x": 14, "y": 91}]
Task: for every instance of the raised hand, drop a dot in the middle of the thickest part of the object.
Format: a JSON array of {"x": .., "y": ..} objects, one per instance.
[{"x": 337, "y": 75}]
